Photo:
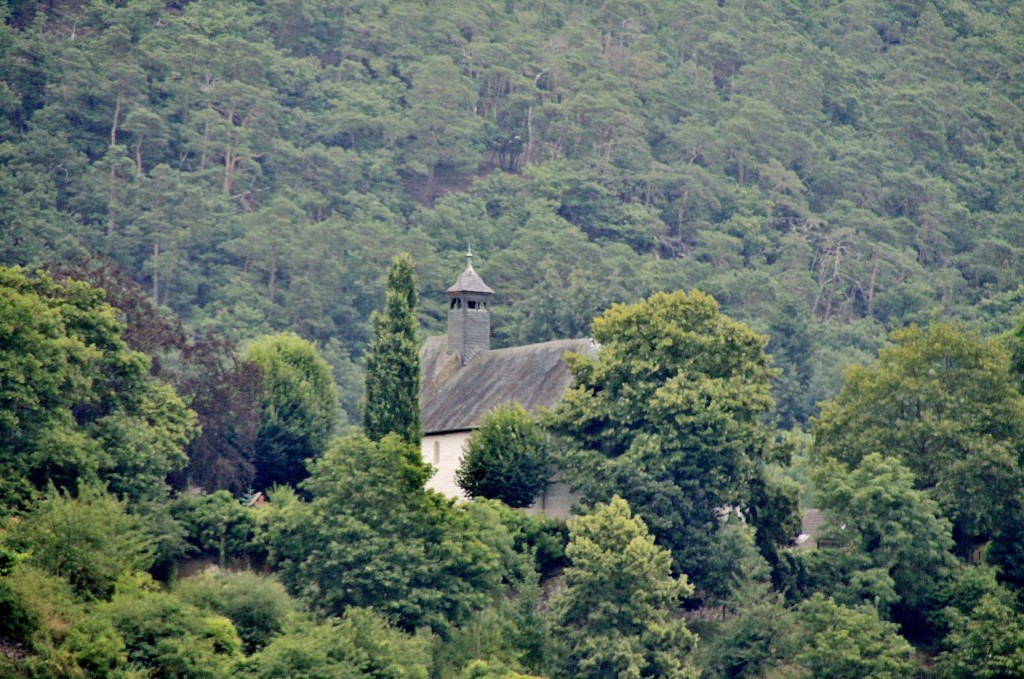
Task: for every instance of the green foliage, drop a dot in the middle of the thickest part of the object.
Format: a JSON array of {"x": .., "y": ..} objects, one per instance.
[
  {"x": 511, "y": 629},
  {"x": 360, "y": 644},
  {"x": 670, "y": 143},
  {"x": 391, "y": 403},
  {"x": 849, "y": 643},
  {"x": 1006, "y": 550},
  {"x": 1014, "y": 342},
  {"x": 738, "y": 575},
  {"x": 257, "y": 605},
  {"x": 987, "y": 642},
  {"x": 759, "y": 642},
  {"x": 618, "y": 614},
  {"x": 827, "y": 172},
  {"x": 372, "y": 536},
  {"x": 90, "y": 540},
  {"x": 942, "y": 401},
  {"x": 894, "y": 537},
  {"x": 37, "y": 606},
  {"x": 506, "y": 459},
  {"x": 78, "y": 406},
  {"x": 532, "y": 534},
  {"x": 791, "y": 346},
  {"x": 47, "y": 633},
  {"x": 167, "y": 637},
  {"x": 217, "y": 525},
  {"x": 480, "y": 669},
  {"x": 96, "y": 647},
  {"x": 299, "y": 404},
  {"x": 669, "y": 414}
]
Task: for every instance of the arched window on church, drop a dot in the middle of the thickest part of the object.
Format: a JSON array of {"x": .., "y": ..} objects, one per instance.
[{"x": 456, "y": 303}]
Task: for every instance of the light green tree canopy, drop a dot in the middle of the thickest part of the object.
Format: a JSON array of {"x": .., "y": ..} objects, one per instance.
[
  {"x": 76, "y": 404},
  {"x": 816, "y": 638},
  {"x": 893, "y": 538},
  {"x": 90, "y": 540},
  {"x": 849, "y": 643},
  {"x": 358, "y": 645},
  {"x": 618, "y": 614},
  {"x": 257, "y": 605},
  {"x": 168, "y": 637},
  {"x": 986, "y": 643},
  {"x": 373, "y": 536}
]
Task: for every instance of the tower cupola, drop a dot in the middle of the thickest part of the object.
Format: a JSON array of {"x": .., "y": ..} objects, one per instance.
[{"x": 469, "y": 315}]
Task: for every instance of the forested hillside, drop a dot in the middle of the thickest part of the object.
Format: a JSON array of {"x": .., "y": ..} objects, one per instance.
[
  {"x": 201, "y": 204},
  {"x": 825, "y": 171}
]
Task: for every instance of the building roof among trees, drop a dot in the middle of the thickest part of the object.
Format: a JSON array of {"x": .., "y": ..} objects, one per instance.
[
  {"x": 456, "y": 399},
  {"x": 810, "y": 527},
  {"x": 470, "y": 281}
]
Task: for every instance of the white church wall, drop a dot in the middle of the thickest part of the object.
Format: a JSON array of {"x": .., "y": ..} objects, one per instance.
[
  {"x": 444, "y": 452},
  {"x": 556, "y": 501}
]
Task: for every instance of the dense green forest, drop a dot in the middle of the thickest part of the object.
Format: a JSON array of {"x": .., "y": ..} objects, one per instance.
[{"x": 199, "y": 204}]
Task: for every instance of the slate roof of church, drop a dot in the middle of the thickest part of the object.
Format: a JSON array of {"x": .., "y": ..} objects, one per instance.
[{"x": 456, "y": 399}]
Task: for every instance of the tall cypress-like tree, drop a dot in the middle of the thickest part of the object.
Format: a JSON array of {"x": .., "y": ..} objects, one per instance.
[{"x": 393, "y": 362}]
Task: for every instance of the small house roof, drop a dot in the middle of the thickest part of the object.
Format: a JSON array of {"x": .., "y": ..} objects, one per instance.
[
  {"x": 810, "y": 528},
  {"x": 456, "y": 399},
  {"x": 470, "y": 281}
]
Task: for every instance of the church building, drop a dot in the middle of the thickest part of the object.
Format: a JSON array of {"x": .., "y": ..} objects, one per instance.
[{"x": 463, "y": 379}]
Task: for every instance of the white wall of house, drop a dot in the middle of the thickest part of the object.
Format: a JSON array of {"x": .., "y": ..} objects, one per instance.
[
  {"x": 556, "y": 501},
  {"x": 444, "y": 452}
]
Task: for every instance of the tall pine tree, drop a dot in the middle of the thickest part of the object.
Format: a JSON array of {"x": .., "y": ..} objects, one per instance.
[{"x": 393, "y": 362}]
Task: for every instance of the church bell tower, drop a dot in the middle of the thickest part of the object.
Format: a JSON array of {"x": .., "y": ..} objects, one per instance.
[{"x": 469, "y": 318}]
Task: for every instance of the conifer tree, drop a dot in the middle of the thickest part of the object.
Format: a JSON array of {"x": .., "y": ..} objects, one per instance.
[
  {"x": 391, "y": 403},
  {"x": 619, "y": 613}
]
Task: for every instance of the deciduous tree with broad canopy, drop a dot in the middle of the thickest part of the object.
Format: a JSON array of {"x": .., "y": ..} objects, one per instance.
[
  {"x": 669, "y": 415},
  {"x": 299, "y": 407},
  {"x": 373, "y": 536},
  {"x": 506, "y": 458},
  {"x": 942, "y": 401},
  {"x": 76, "y": 404},
  {"x": 890, "y": 539}
]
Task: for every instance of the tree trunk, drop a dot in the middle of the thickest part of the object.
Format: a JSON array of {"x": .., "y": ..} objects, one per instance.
[
  {"x": 871, "y": 289},
  {"x": 156, "y": 273},
  {"x": 228, "y": 171},
  {"x": 116, "y": 123},
  {"x": 272, "y": 283},
  {"x": 138, "y": 157},
  {"x": 111, "y": 200},
  {"x": 529, "y": 134},
  {"x": 112, "y": 197}
]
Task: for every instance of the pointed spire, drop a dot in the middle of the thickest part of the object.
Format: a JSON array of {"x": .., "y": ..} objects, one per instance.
[{"x": 469, "y": 280}]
